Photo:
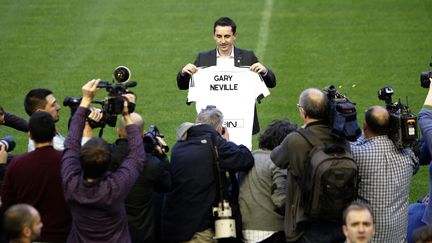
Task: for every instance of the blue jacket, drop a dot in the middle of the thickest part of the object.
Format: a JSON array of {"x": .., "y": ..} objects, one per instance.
[{"x": 425, "y": 122}]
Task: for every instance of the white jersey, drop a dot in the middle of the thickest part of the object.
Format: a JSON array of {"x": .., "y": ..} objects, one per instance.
[{"x": 233, "y": 91}]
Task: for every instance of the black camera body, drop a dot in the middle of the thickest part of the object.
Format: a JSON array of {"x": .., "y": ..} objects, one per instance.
[
  {"x": 150, "y": 140},
  {"x": 113, "y": 103},
  {"x": 8, "y": 143},
  {"x": 342, "y": 115},
  {"x": 403, "y": 124},
  {"x": 425, "y": 77}
]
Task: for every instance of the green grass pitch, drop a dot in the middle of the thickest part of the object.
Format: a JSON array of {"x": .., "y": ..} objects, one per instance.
[{"x": 359, "y": 46}]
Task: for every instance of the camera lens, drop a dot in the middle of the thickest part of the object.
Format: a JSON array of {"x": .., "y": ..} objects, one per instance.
[
  {"x": 424, "y": 79},
  {"x": 122, "y": 74},
  {"x": 71, "y": 101}
]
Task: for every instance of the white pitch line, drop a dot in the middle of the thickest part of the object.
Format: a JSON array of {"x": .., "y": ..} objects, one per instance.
[{"x": 264, "y": 29}]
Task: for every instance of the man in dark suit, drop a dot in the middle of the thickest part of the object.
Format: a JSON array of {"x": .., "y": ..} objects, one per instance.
[{"x": 226, "y": 54}]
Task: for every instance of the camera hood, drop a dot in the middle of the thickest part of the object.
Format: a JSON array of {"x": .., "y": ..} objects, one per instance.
[{"x": 121, "y": 74}]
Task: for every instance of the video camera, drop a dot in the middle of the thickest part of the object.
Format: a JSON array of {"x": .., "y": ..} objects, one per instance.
[
  {"x": 151, "y": 140},
  {"x": 342, "y": 115},
  {"x": 8, "y": 142},
  {"x": 403, "y": 124},
  {"x": 113, "y": 103},
  {"x": 424, "y": 77}
]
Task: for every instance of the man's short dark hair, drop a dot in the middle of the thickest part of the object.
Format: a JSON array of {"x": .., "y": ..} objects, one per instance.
[
  {"x": 422, "y": 234},
  {"x": 378, "y": 122},
  {"x": 41, "y": 127},
  {"x": 95, "y": 158},
  {"x": 315, "y": 103},
  {"x": 16, "y": 218},
  {"x": 356, "y": 206},
  {"x": 275, "y": 133},
  {"x": 35, "y": 99},
  {"x": 225, "y": 21}
]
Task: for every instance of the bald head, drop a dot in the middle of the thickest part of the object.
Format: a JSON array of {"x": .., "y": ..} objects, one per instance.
[
  {"x": 314, "y": 102},
  {"x": 136, "y": 119},
  {"x": 22, "y": 221},
  {"x": 377, "y": 119}
]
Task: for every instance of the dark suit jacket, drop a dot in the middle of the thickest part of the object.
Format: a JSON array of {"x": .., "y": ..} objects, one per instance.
[{"x": 241, "y": 58}]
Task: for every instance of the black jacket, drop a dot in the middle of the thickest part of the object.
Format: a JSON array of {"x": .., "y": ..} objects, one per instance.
[
  {"x": 187, "y": 209},
  {"x": 142, "y": 201}
]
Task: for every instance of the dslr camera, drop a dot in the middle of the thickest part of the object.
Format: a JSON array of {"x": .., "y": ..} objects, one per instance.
[
  {"x": 424, "y": 77},
  {"x": 403, "y": 124},
  {"x": 153, "y": 138},
  {"x": 113, "y": 103},
  {"x": 8, "y": 143}
]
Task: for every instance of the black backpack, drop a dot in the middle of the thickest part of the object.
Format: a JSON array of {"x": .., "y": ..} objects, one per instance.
[{"x": 330, "y": 181}]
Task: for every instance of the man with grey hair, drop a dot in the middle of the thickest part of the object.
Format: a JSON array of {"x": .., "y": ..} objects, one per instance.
[
  {"x": 292, "y": 154},
  {"x": 187, "y": 209}
]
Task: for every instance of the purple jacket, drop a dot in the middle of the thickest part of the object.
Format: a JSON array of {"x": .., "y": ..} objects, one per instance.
[{"x": 98, "y": 209}]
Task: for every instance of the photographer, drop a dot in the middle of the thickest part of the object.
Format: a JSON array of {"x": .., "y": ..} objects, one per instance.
[
  {"x": 3, "y": 155},
  {"x": 420, "y": 214},
  {"x": 187, "y": 209},
  {"x": 40, "y": 99},
  {"x": 15, "y": 122},
  {"x": 95, "y": 196},
  {"x": 142, "y": 202},
  {"x": 385, "y": 173}
]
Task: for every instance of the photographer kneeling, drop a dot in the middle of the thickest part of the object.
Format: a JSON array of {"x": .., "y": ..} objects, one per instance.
[{"x": 95, "y": 196}]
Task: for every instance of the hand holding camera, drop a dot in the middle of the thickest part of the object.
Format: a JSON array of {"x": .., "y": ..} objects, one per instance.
[
  {"x": 224, "y": 133},
  {"x": 154, "y": 142},
  {"x": 161, "y": 147},
  {"x": 428, "y": 100},
  {"x": 95, "y": 114},
  {"x": 3, "y": 155},
  {"x": 7, "y": 143},
  {"x": 113, "y": 103},
  {"x": 2, "y": 115}
]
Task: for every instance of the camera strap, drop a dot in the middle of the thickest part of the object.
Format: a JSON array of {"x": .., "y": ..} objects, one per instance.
[{"x": 219, "y": 176}]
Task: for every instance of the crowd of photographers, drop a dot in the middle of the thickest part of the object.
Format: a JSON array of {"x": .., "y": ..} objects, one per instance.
[
  {"x": 67, "y": 181},
  {"x": 87, "y": 190}
]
